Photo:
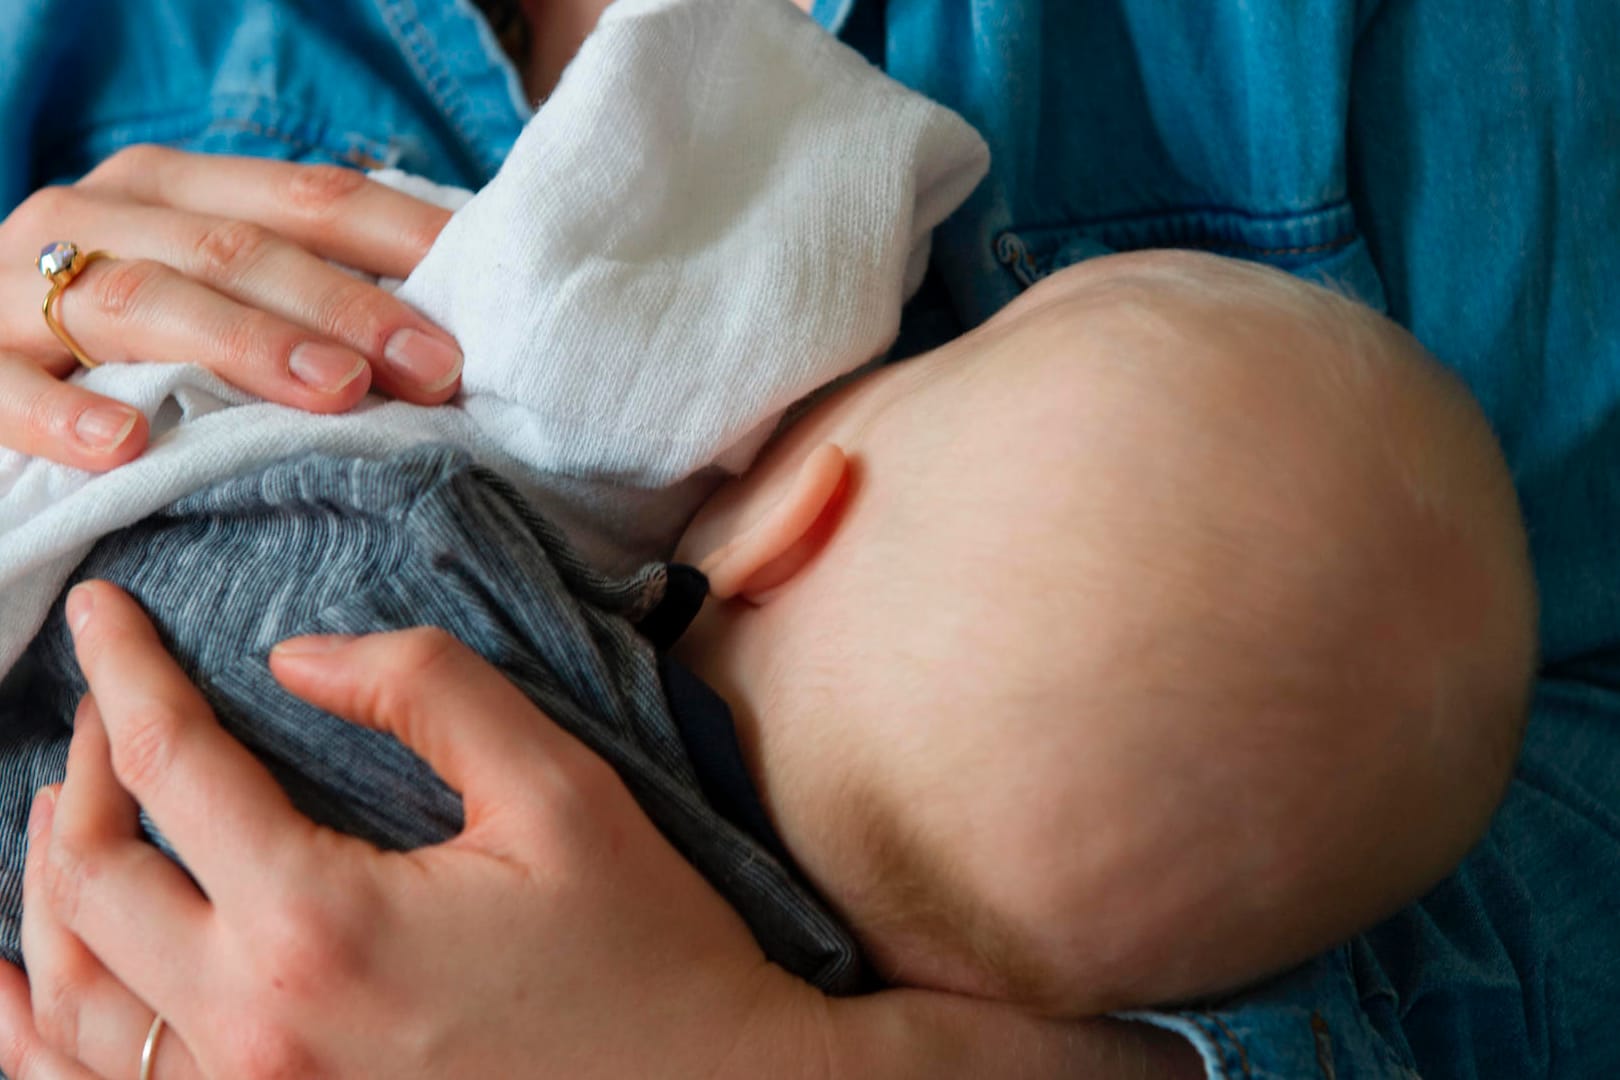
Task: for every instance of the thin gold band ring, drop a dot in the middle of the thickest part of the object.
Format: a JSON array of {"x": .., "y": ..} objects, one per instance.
[
  {"x": 149, "y": 1047},
  {"x": 61, "y": 263}
]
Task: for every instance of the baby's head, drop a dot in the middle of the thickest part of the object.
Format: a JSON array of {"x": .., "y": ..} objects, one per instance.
[{"x": 1148, "y": 609}]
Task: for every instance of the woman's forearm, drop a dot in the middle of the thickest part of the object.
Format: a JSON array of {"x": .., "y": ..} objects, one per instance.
[{"x": 898, "y": 1034}]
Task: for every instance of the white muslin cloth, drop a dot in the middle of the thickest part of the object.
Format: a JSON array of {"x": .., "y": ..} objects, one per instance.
[{"x": 720, "y": 209}]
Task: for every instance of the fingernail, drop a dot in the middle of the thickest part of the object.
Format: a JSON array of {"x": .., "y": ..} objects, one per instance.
[
  {"x": 39, "y": 811},
  {"x": 81, "y": 603},
  {"x": 313, "y": 645},
  {"x": 428, "y": 363},
  {"x": 103, "y": 427},
  {"x": 328, "y": 368}
]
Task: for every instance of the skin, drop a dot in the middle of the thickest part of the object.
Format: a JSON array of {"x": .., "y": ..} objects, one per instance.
[
  {"x": 214, "y": 229},
  {"x": 763, "y": 540},
  {"x": 559, "y": 28},
  {"x": 1002, "y": 617},
  {"x": 84, "y": 837},
  {"x": 220, "y": 261},
  {"x": 318, "y": 956}
]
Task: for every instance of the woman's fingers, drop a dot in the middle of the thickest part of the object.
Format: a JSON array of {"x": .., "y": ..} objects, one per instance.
[
  {"x": 78, "y": 1007},
  {"x": 136, "y": 911},
  {"x": 44, "y": 416},
  {"x": 131, "y": 309},
  {"x": 443, "y": 701},
  {"x": 245, "y": 262},
  {"x": 24, "y": 1053},
  {"x": 59, "y": 963},
  {"x": 334, "y": 212},
  {"x": 219, "y": 263},
  {"x": 203, "y": 789}
]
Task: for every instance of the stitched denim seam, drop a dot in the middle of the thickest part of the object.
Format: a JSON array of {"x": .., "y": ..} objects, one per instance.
[
  {"x": 1183, "y": 227},
  {"x": 1398, "y": 1061},
  {"x": 253, "y": 127},
  {"x": 1205, "y": 1024},
  {"x": 1231, "y": 1037},
  {"x": 353, "y": 154},
  {"x": 195, "y": 124},
  {"x": 421, "y": 51},
  {"x": 1336, "y": 244},
  {"x": 1259, "y": 217}
]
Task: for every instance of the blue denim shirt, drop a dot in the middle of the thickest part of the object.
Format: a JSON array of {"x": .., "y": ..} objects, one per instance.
[
  {"x": 1454, "y": 163},
  {"x": 417, "y": 84},
  {"x": 1457, "y": 165}
]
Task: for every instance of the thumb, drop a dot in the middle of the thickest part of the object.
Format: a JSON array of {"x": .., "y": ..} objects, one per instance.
[{"x": 439, "y": 698}]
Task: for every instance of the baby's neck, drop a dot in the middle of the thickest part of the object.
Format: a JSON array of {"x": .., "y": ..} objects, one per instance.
[
  {"x": 557, "y": 29},
  {"x": 715, "y": 649}
]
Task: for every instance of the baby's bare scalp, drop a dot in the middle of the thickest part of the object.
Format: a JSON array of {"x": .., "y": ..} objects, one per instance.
[{"x": 1222, "y": 564}]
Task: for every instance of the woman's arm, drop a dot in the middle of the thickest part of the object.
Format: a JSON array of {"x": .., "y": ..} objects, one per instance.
[{"x": 559, "y": 934}]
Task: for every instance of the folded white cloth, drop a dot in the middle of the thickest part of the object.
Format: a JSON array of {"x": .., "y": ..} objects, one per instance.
[{"x": 720, "y": 209}]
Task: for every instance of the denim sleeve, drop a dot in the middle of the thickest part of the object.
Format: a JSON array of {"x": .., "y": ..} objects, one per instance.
[
  {"x": 1504, "y": 970},
  {"x": 1309, "y": 1024}
]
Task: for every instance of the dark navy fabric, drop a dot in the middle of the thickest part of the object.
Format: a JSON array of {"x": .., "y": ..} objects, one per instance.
[
  {"x": 706, "y": 728},
  {"x": 330, "y": 545}
]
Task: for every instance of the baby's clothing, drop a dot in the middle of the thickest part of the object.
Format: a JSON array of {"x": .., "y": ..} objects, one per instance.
[
  {"x": 331, "y": 545},
  {"x": 719, "y": 210}
]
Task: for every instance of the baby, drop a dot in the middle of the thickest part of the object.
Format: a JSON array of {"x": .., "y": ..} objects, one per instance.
[
  {"x": 1222, "y": 559},
  {"x": 1220, "y": 565}
]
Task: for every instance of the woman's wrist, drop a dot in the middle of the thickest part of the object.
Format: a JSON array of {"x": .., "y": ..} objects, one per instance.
[{"x": 922, "y": 1033}]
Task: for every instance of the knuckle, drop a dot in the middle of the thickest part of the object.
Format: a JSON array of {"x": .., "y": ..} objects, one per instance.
[
  {"x": 45, "y": 207},
  {"x": 129, "y": 161},
  {"x": 592, "y": 783},
  {"x": 228, "y": 249},
  {"x": 413, "y": 658},
  {"x": 248, "y": 342},
  {"x": 422, "y": 235},
  {"x": 585, "y": 800},
  {"x": 122, "y": 286},
  {"x": 56, "y": 1012},
  {"x": 359, "y": 312},
  {"x": 21, "y": 1053},
  {"x": 66, "y": 868},
  {"x": 265, "y": 1049},
  {"x": 310, "y": 951},
  {"x": 427, "y": 649},
  {"x": 320, "y": 190},
  {"x": 37, "y": 413},
  {"x": 144, "y": 751}
]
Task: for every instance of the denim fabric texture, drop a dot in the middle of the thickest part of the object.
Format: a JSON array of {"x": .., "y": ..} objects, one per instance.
[
  {"x": 332, "y": 545},
  {"x": 1456, "y": 165},
  {"x": 421, "y": 85},
  {"x": 1453, "y": 163}
]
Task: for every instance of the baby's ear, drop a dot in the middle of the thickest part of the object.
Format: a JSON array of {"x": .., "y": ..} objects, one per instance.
[{"x": 777, "y": 543}]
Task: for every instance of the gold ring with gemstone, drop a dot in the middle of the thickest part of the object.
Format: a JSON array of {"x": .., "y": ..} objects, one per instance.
[{"x": 60, "y": 263}]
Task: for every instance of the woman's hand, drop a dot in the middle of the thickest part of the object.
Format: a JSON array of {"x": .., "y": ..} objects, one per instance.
[
  {"x": 558, "y": 935},
  {"x": 220, "y": 262}
]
